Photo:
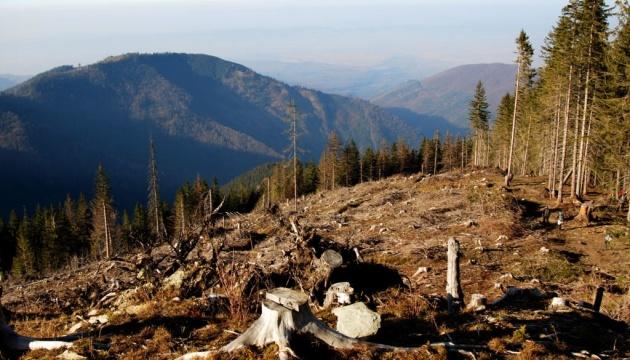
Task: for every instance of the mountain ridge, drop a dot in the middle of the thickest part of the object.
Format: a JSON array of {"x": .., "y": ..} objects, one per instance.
[
  {"x": 448, "y": 93},
  {"x": 207, "y": 116}
]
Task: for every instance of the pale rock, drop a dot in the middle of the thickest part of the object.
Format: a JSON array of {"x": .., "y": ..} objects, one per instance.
[
  {"x": 70, "y": 355},
  {"x": 175, "y": 281},
  {"x": 357, "y": 320},
  {"x": 101, "y": 319},
  {"x": 478, "y": 302},
  {"x": 558, "y": 303}
]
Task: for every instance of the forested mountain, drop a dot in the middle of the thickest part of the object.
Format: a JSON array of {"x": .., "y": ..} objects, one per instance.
[
  {"x": 448, "y": 93},
  {"x": 207, "y": 116}
]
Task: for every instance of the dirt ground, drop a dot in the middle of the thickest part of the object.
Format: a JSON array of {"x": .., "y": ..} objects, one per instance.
[{"x": 397, "y": 225}]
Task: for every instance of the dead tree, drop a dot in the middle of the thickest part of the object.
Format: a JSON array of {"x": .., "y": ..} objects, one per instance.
[{"x": 454, "y": 294}]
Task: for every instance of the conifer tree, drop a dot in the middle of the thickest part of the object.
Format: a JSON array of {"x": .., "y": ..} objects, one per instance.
[
  {"x": 478, "y": 116},
  {"x": 103, "y": 217},
  {"x": 523, "y": 79},
  {"x": 154, "y": 206},
  {"x": 24, "y": 262}
]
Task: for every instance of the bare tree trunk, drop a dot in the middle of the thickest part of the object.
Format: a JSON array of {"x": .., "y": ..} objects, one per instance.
[
  {"x": 107, "y": 240},
  {"x": 585, "y": 178},
  {"x": 454, "y": 292},
  {"x": 516, "y": 91},
  {"x": 555, "y": 146},
  {"x": 564, "y": 137},
  {"x": 524, "y": 171},
  {"x": 576, "y": 128}
]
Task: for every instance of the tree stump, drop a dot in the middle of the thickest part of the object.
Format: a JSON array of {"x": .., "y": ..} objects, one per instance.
[
  {"x": 585, "y": 212},
  {"x": 599, "y": 296},
  {"x": 285, "y": 312},
  {"x": 454, "y": 294},
  {"x": 326, "y": 263}
]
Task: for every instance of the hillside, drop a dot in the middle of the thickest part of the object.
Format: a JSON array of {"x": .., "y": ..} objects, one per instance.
[
  {"x": 400, "y": 227},
  {"x": 448, "y": 93},
  {"x": 207, "y": 116}
]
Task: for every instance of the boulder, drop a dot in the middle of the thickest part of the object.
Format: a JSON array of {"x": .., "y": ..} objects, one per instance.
[{"x": 357, "y": 320}]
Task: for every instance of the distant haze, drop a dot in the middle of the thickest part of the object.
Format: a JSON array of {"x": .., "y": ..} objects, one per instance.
[{"x": 36, "y": 35}]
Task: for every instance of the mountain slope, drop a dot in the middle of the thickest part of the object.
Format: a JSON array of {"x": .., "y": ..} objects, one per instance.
[
  {"x": 208, "y": 116},
  {"x": 448, "y": 93}
]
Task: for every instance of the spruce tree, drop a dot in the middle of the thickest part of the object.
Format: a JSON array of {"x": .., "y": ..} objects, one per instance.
[
  {"x": 103, "y": 217},
  {"x": 524, "y": 75},
  {"x": 154, "y": 206},
  {"x": 24, "y": 262},
  {"x": 478, "y": 116}
]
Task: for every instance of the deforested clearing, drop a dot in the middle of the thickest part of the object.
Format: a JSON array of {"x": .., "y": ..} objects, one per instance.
[{"x": 539, "y": 280}]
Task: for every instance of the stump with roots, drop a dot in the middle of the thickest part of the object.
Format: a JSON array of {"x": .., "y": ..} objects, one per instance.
[{"x": 286, "y": 312}]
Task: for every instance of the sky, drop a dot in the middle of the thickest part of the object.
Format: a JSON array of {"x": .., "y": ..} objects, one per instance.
[{"x": 36, "y": 35}]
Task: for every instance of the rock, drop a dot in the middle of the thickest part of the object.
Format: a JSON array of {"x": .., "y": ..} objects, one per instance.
[
  {"x": 70, "y": 355},
  {"x": 544, "y": 250},
  {"x": 558, "y": 303},
  {"x": 478, "y": 302},
  {"x": 357, "y": 320},
  {"x": 101, "y": 319},
  {"x": 175, "y": 281}
]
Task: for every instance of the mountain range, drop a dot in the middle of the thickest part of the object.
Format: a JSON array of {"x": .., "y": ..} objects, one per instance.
[
  {"x": 349, "y": 80},
  {"x": 448, "y": 93},
  {"x": 207, "y": 116}
]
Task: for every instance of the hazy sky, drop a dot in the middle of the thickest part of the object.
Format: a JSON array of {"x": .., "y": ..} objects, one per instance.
[{"x": 36, "y": 35}]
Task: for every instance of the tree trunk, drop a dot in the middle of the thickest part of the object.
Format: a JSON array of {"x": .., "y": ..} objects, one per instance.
[
  {"x": 524, "y": 171},
  {"x": 564, "y": 137},
  {"x": 516, "y": 91},
  {"x": 454, "y": 294}
]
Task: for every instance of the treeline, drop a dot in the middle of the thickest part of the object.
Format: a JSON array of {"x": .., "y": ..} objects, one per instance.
[
  {"x": 344, "y": 164},
  {"x": 568, "y": 120},
  {"x": 78, "y": 230},
  {"x": 38, "y": 242}
]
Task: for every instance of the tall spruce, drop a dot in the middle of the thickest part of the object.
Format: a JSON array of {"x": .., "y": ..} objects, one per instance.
[
  {"x": 478, "y": 116},
  {"x": 154, "y": 206},
  {"x": 103, "y": 217},
  {"x": 525, "y": 53}
]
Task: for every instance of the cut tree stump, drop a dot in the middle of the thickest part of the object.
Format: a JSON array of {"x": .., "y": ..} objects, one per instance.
[
  {"x": 454, "y": 294},
  {"x": 278, "y": 323},
  {"x": 585, "y": 212}
]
